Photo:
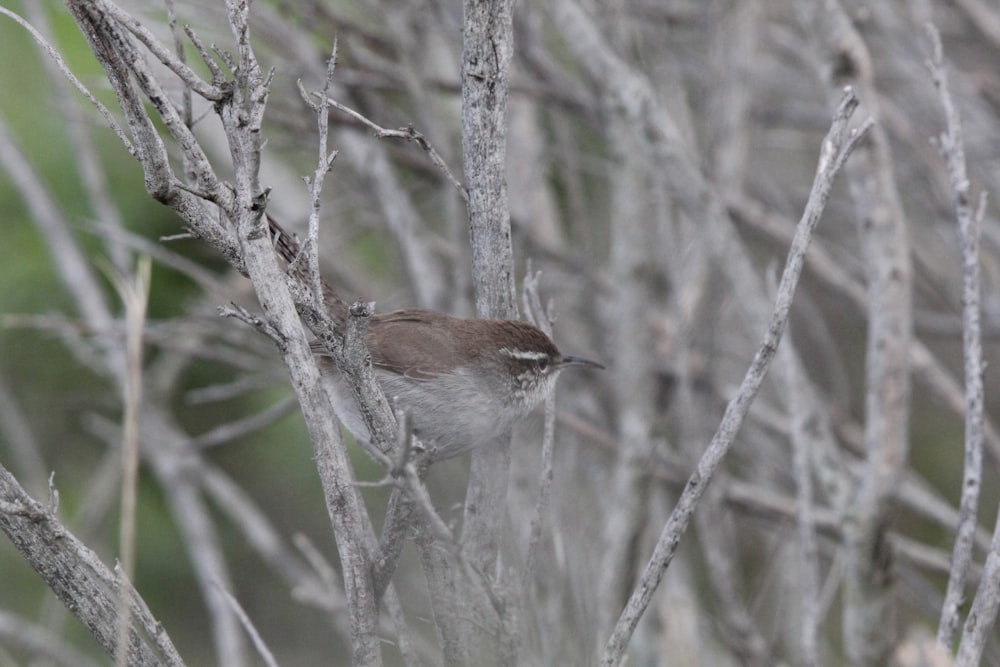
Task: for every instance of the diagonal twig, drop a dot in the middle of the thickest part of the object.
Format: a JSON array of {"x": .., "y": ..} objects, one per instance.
[{"x": 838, "y": 144}]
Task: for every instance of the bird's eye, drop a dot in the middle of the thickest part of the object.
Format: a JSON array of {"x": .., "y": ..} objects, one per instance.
[{"x": 543, "y": 364}]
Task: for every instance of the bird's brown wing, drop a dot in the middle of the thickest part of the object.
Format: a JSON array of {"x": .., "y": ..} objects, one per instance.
[
  {"x": 418, "y": 344},
  {"x": 412, "y": 342}
]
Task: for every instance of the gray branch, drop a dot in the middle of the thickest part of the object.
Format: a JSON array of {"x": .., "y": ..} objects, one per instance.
[
  {"x": 78, "y": 578},
  {"x": 840, "y": 141}
]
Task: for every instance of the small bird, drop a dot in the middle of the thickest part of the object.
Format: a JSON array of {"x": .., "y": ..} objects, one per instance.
[{"x": 463, "y": 381}]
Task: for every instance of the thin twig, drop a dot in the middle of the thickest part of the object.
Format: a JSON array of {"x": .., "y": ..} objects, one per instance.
[
  {"x": 64, "y": 68},
  {"x": 330, "y": 598},
  {"x": 134, "y": 293},
  {"x": 840, "y": 141},
  {"x": 234, "y": 430},
  {"x": 262, "y": 649},
  {"x": 240, "y": 313},
  {"x": 206, "y": 57},
  {"x": 802, "y": 416},
  {"x": 174, "y": 63},
  {"x": 408, "y": 133},
  {"x": 323, "y": 165},
  {"x": 952, "y": 146},
  {"x": 537, "y": 314}
]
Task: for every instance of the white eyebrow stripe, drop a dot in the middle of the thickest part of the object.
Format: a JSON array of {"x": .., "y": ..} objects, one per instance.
[{"x": 524, "y": 354}]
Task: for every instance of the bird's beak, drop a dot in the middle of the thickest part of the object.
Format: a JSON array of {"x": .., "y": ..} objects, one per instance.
[{"x": 580, "y": 361}]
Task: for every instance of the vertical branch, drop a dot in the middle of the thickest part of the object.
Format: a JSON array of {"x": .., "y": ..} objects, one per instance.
[
  {"x": 487, "y": 49},
  {"x": 804, "y": 419},
  {"x": 869, "y": 579},
  {"x": 488, "y": 46},
  {"x": 733, "y": 52},
  {"x": 135, "y": 297},
  {"x": 448, "y": 601},
  {"x": 537, "y": 314},
  {"x": 242, "y": 116},
  {"x": 952, "y": 146},
  {"x": 323, "y": 164},
  {"x": 979, "y": 626},
  {"x": 631, "y": 374}
]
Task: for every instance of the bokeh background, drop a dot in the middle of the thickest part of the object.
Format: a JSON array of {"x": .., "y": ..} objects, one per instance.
[{"x": 722, "y": 102}]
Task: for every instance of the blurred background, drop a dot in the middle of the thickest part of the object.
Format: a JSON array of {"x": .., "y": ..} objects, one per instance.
[{"x": 660, "y": 154}]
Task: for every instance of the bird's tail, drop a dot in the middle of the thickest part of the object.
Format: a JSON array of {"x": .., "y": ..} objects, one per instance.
[{"x": 289, "y": 249}]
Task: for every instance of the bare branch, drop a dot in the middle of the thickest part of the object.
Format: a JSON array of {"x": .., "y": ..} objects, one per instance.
[
  {"x": 54, "y": 54},
  {"x": 408, "y": 133},
  {"x": 135, "y": 298},
  {"x": 487, "y": 50},
  {"x": 952, "y": 146},
  {"x": 539, "y": 317},
  {"x": 77, "y": 275},
  {"x": 840, "y": 141},
  {"x": 802, "y": 417},
  {"x": 79, "y": 579},
  {"x": 213, "y": 93},
  {"x": 262, "y": 650},
  {"x": 979, "y": 624}
]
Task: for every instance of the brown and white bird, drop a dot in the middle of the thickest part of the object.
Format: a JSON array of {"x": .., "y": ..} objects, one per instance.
[{"x": 464, "y": 381}]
